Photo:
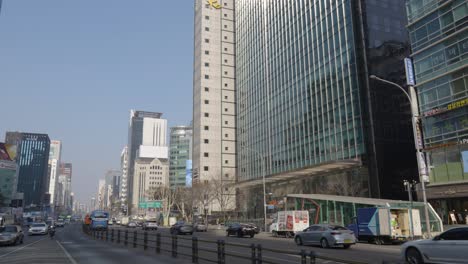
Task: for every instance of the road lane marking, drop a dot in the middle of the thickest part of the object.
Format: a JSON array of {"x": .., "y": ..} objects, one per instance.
[
  {"x": 16, "y": 250},
  {"x": 66, "y": 253}
]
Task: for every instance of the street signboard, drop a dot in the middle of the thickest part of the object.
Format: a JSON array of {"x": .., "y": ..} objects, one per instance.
[
  {"x": 409, "y": 72},
  {"x": 150, "y": 204}
]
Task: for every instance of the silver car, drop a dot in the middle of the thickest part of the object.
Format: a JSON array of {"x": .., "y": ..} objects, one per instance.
[
  {"x": 38, "y": 229},
  {"x": 326, "y": 236},
  {"x": 448, "y": 247},
  {"x": 11, "y": 235}
]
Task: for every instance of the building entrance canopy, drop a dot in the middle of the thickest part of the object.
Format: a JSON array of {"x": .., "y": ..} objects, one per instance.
[{"x": 322, "y": 169}]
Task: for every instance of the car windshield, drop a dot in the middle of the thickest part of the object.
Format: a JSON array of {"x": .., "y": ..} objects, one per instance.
[
  {"x": 337, "y": 228},
  {"x": 8, "y": 229},
  {"x": 38, "y": 225}
]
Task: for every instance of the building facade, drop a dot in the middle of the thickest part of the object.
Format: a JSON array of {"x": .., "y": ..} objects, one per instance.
[
  {"x": 308, "y": 117},
  {"x": 180, "y": 155},
  {"x": 439, "y": 42},
  {"x": 214, "y": 92},
  {"x": 150, "y": 173},
  {"x": 54, "y": 167},
  {"x": 146, "y": 138},
  {"x": 32, "y": 160},
  {"x": 64, "y": 180}
]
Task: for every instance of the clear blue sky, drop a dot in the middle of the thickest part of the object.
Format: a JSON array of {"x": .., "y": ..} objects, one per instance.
[{"x": 74, "y": 69}]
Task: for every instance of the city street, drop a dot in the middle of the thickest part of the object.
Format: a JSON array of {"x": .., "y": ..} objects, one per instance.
[{"x": 70, "y": 245}]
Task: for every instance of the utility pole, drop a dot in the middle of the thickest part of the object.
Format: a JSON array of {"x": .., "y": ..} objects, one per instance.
[{"x": 418, "y": 141}]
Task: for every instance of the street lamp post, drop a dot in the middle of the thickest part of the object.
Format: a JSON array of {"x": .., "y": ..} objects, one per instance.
[
  {"x": 262, "y": 157},
  {"x": 414, "y": 118}
]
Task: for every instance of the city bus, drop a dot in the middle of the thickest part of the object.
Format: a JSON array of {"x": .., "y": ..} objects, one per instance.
[{"x": 99, "y": 220}]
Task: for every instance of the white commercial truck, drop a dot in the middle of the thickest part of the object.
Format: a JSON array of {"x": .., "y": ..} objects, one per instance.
[
  {"x": 125, "y": 220},
  {"x": 287, "y": 223}
]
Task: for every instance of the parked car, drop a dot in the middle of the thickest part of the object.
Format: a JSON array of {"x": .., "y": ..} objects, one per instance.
[
  {"x": 240, "y": 230},
  {"x": 255, "y": 228},
  {"x": 118, "y": 222},
  {"x": 132, "y": 224},
  {"x": 60, "y": 223},
  {"x": 38, "y": 229},
  {"x": 449, "y": 247},
  {"x": 11, "y": 235},
  {"x": 326, "y": 236},
  {"x": 200, "y": 227},
  {"x": 139, "y": 223},
  {"x": 181, "y": 228},
  {"x": 150, "y": 225}
]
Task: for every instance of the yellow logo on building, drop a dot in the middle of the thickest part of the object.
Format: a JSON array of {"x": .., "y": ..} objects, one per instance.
[{"x": 214, "y": 3}]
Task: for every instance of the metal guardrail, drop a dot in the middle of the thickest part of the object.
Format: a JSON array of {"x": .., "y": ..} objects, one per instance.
[{"x": 256, "y": 254}]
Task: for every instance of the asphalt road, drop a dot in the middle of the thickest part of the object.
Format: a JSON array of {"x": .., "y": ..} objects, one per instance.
[
  {"x": 71, "y": 246},
  {"x": 361, "y": 252}
]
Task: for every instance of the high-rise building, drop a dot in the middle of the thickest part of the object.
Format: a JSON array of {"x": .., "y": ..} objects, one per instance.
[
  {"x": 439, "y": 42},
  {"x": 64, "y": 180},
  {"x": 113, "y": 179},
  {"x": 308, "y": 117},
  {"x": 32, "y": 160},
  {"x": 214, "y": 105},
  {"x": 54, "y": 167},
  {"x": 101, "y": 195},
  {"x": 180, "y": 155},
  {"x": 146, "y": 139},
  {"x": 150, "y": 173},
  {"x": 123, "y": 191}
]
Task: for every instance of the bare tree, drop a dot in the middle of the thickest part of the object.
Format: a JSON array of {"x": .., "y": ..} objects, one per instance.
[
  {"x": 224, "y": 195},
  {"x": 166, "y": 195},
  {"x": 183, "y": 201}
]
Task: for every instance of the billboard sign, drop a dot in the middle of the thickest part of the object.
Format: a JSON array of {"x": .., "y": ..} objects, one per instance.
[
  {"x": 409, "y": 72},
  {"x": 7, "y": 152}
]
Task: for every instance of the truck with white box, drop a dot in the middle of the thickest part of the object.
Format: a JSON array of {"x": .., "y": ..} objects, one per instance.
[{"x": 287, "y": 223}]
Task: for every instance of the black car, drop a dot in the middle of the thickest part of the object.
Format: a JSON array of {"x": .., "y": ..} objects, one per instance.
[
  {"x": 240, "y": 230},
  {"x": 181, "y": 227},
  {"x": 255, "y": 227}
]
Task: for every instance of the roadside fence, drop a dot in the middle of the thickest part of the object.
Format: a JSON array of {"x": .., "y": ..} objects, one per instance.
[{"x": 208, "y": 251}]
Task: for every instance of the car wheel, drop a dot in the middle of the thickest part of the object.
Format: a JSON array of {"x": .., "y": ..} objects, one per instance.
[
  {"x": 252, "y": 235},
  {"x": 227, "y": 233},
  {"x": 275, "y": 234},
  {"x": 346, "y": 246},
  {"x": 413, "y": 256},
  {"x": 22, "y": 240},
  {"x": 298, "y": 241},
  {"x": 324, "y": 243}
]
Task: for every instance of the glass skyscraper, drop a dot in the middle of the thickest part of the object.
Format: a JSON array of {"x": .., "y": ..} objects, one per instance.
[
  {"x": 32, "y": 160},
  {"x": 180, "y": 151},
  {"x": 439, "y": 42},
  {"x": 307, "y": 114}
]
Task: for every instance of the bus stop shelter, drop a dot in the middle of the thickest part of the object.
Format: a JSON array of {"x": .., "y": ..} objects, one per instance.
[{"x": 341, "y": 210}]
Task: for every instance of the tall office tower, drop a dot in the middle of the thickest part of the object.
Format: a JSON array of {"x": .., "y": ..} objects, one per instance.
[
  {"x": 32, "y": 160},
  {"x": 439, "y": 42},
  {"x": 123, "y": 190},
  {"x": 214, "y": 102},
  {"x": 113, "y": 178},
  {"x": 307, "y": 114},
  {"x": 101, "y": 195},
  {"x": 146, "y": 139},
  {"x": 55, "y": 153},
  {"x": 65, "y": 178},
  {"x": 180, "y": 155}
]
